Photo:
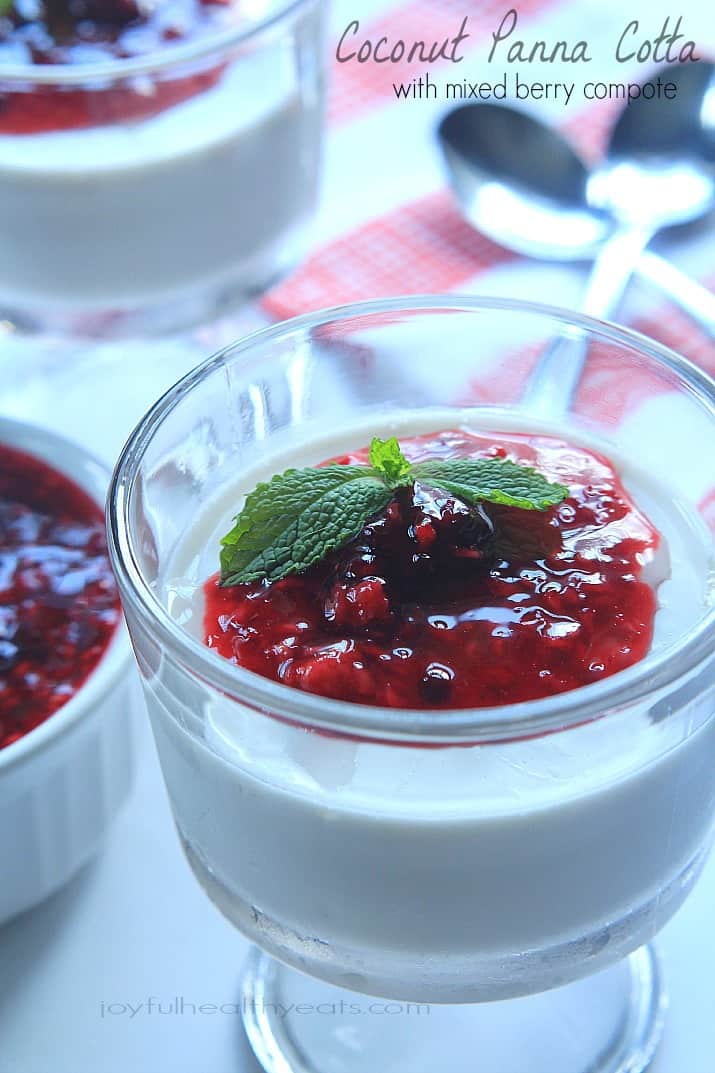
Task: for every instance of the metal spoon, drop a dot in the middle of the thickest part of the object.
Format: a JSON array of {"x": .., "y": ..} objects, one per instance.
[
  {"x": 657, "y": 153},
  {"x": 522, "y": 184},
  {"x": 656, "y": 174},
  {"x": 659, "y": 166}
]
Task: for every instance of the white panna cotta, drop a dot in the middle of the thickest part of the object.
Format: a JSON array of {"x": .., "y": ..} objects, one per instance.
[
  {"x": 202, "y": 198},
  {"x": 453, "y": 873}
]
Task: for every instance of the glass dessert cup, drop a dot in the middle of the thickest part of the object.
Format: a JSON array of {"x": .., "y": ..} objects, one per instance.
[
  {"x": 493, "y": 876},
  {"x": 163, "y": 189}
]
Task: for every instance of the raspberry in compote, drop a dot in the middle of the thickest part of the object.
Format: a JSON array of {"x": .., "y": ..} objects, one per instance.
[
  {"x": 438, "y": 604},
  {"x": 58, "y": 601}
]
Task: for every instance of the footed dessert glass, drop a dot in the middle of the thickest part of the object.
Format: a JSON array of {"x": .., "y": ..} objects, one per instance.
[
  {"x": 493, "y": 876},
  {"x": 143, "y": 194}
]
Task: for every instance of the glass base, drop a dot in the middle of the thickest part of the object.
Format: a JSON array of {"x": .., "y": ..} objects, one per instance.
[
  {"x": 163, "y": 317},
  {"x": 176, "y": 311},
  {"x": 610, "y": 1022}
]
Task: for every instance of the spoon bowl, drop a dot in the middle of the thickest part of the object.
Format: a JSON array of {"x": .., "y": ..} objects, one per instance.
[
  {"x": 666, "y": 128},
  {"x": 659, "y": 168},
  {"x": 520, "y": 183}
]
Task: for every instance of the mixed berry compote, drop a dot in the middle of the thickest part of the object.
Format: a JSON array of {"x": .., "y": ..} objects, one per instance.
[
  {"x": 80, "y": 33},
  {"x": 437, "y": 604},
  {"x": 58, "y": 600}
]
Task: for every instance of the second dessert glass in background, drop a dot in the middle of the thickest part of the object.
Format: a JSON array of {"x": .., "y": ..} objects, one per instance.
[
  {"x": 448, "y": 857},
  {"x": 145, "y": 194}
]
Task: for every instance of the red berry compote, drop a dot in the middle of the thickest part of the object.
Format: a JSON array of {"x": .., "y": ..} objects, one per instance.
[
  {"x": 438, "y": 604},
  {"x": 58, "y": 600}
]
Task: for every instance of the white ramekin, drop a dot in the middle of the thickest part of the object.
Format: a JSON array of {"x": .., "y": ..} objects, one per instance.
[{"x": 61, "y": 784}]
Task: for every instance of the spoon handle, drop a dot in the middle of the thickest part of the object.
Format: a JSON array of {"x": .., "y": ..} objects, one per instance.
[
  {"x": 553, "y": 383},
  {"x": 690, "y": 295},
  {"x": 612, "y": 271}
]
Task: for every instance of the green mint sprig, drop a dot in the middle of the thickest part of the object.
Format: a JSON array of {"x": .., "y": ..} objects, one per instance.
[{"x": 297, "y": 518}]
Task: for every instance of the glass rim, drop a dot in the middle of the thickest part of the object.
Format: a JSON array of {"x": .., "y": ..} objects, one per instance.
[
  {"x": 88, "y": 75},
  {"x": 347, "y": 718}
]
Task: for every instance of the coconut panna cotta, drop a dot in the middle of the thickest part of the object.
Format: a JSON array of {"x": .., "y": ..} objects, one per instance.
[
  {"x": 482, "y": 567},
  {"x": 152, "y": 155}
]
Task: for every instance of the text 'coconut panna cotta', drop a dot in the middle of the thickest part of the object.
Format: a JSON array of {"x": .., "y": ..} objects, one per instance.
[
  {"x": 463, "y": 568},
  {"x": 152, "y": 155}
]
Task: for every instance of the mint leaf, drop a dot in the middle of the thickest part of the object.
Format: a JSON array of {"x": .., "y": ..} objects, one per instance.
[
  {"x": 297, "y": 518},
  {"x": 492, "y": 480},
  {"x": 388, "y": 461}
]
